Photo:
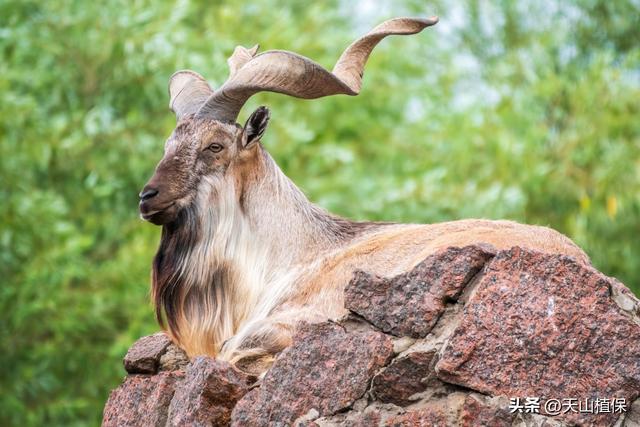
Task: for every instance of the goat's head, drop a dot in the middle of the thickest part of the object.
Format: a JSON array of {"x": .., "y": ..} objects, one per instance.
[
  {"x": 208, "y": 143},
  {"x": 199, "y": 149}
]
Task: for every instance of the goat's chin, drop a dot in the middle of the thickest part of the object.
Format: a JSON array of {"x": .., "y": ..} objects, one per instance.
[{"x": 160, "y": 217}]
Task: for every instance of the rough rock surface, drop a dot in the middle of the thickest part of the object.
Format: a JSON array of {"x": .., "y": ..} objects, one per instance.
[
  {"x": 174, "y": 358},
  {"x": 403, "y": 378},
  {"x": 141, "y": 400},
  {"x": 449, "y": 343},
  {"x": 144, "y": 355},
  {"x": 422, "y": 417},
  {"x": 337, "y": 366},
  {"x": 208, "y": 393},
  {"x": 411, "y": 303},
  {"x": 545, "y": 326},
  {"x": 477, "y": 413}
]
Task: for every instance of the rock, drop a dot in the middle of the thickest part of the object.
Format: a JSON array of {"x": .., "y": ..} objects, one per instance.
[
  {"x": 410, "y": 304},
  {"x": 353, "y": 419},
  {"x": 208, "y": 393},
  {"x": 545, "y": 326},
  {"x": 632, "y": 418},
  {"x": 366, "y": 419},
  {"x": 174, "y": 358},
  {"x": 466, "y": 330},
  {"x": 144, "y": 355},
  {"x": 475, "y": 413},
  {"x": 418, "y": 418},
  {"x": 404, "y": 377},
  {"x": 141, "y": 400},
  {"x": 326, "y": 369}
]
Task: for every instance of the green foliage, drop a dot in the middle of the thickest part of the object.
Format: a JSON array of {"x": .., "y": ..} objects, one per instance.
[{"x": 522, "y": 110}]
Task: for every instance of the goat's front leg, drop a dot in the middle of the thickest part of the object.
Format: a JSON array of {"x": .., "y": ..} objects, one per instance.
[{"x": 255, "y": 352}]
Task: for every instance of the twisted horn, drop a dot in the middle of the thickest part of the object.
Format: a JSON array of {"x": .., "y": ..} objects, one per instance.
[
  {"x": 188, "y": 91},
  {"x": 295, "y": 75},
  {"x": 241, "y": 55}
]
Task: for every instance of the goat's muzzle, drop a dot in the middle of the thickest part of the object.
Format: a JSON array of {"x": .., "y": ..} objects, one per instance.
[{"x": 153, "y": 208}]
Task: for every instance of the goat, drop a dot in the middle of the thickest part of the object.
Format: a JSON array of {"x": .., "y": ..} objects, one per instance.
[{"x": 243, "y": 254}]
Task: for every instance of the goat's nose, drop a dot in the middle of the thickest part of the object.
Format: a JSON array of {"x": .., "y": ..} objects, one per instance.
[{"x": 147, "y": 193}]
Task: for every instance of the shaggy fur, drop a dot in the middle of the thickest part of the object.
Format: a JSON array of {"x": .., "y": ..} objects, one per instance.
[{"x": 244, "y": 255}]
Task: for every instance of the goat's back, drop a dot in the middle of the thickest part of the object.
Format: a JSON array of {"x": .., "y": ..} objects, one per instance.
[{"x": 395, "y": 249}]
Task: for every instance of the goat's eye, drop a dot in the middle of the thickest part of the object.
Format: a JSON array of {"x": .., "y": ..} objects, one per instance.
[{"x": 216, "y": 148}]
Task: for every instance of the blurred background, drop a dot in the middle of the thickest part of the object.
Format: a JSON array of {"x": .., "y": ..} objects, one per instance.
[{"x": 524, "y": 110}]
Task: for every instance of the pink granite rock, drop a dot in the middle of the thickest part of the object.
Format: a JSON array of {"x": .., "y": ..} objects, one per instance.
[
  {"x": 208, "y": 393},
  {"x": 476, "y": 414},
  {"x": 527, "y": 325},
  {"x": 325, "y": 370},
  {"x": 144, "y": 355},
  {"x": 410, "y": 304},
  {"x": 404, "y": 377},
  {"x": 545, "y": 326},
  {"x": 141, "y": 400}
]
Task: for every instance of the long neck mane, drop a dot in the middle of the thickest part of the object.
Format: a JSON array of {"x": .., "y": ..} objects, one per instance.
[
  {"x": 287, "y": 222},
  {"x": 235, "y": 252}
]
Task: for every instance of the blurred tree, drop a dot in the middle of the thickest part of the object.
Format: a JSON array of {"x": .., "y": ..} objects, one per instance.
[{"x": 522, "y": 110}]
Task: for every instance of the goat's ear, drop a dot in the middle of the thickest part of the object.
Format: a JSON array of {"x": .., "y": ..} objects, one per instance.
[{"x": 255, "y": 126}]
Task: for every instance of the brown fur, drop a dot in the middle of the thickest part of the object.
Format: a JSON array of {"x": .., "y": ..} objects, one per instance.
[{"x": 244, "y": 255}]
